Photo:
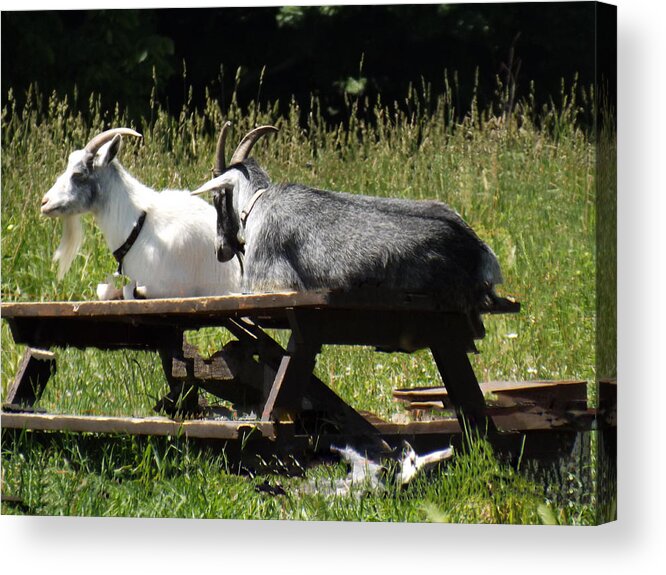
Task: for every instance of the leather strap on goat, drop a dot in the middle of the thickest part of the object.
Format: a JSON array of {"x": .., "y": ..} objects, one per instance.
[
  {"x": 248, "y": 208},
  {"x": 121, "y": 252}
]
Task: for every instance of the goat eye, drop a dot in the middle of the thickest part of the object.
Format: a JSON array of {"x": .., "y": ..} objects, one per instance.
[{"x": 79, "y": 177}]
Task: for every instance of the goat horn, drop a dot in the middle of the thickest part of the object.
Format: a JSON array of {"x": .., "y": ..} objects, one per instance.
[
  {"x": 100, "y": 139},
  {"x": 250, "y": 139},
  {"x": 219, "y": 151}
]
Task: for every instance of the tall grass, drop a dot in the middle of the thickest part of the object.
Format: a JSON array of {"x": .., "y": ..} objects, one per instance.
[{"x": 524, "y": 182}]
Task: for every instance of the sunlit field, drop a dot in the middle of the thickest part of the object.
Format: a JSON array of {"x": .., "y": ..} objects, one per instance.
[{"x": 525, "y": 183}]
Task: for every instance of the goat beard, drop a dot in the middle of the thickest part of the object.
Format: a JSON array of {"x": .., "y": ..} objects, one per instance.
[{"x": 70, "y": 243}]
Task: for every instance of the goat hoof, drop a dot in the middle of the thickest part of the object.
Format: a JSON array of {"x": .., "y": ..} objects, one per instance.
[
  {"x": 140, "y": 292},
  {"x": 107, "y": 292}
]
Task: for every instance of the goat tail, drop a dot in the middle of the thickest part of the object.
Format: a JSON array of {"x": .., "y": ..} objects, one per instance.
[{"x": 70, "y": 243}]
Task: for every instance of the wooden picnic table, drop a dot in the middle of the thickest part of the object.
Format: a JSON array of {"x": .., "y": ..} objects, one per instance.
[{"x": 387, "y": 321}]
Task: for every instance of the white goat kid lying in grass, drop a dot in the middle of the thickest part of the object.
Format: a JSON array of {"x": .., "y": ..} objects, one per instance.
[
  {"x": 163, "y": 241},
  {"x": 370, "y": 473}
]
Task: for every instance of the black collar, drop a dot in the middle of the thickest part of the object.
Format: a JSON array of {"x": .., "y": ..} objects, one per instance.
[{"x": 121, "y": 252}]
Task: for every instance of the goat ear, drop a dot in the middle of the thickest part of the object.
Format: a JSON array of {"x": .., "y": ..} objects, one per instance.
[
  {"x": 215, "y": 185},
  {"x": 109, "y": 151}
]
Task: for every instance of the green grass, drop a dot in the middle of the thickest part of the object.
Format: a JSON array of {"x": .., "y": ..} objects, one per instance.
[
  {"x": 528, "y": 190},
  {"x": 167, "y": 478}
]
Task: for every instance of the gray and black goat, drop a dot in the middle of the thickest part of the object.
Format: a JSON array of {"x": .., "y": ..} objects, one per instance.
[{"x": 291, "y": 236}]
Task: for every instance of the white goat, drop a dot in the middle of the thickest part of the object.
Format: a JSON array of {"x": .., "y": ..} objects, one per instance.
[{"x": 163, "y": 241}]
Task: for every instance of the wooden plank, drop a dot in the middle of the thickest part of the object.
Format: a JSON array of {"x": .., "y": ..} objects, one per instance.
[
  {"x": 517, "y": 420},
  {"x": 202, "y": 429},
  {"x": 34, "y": 372},
  {"x": 236, "y": 430},
  {"x": 607, "y": 393},
  {"x": 394, "y": 330},
  {"x": 543, "y": 392},
  {"x": 240, "y": 304},
  {"x": 383, "y": 299},
  {"x": 230, "y": 373},
  {"x": 42, "y": 332},
  {"x": 521, "y": 406},
  {"x": 505, "y": 422},
  {"x": 317, "y": 393},
  {"x": 168, "y": 306},
  {"x": 424, "y": 405},
  {"x": 445, "y": 426},
  {"x": 555, "y": 398},
  {"x": 464, "y": 391},
  {"x": 150, "y": 324},
  {"x": 345, "y": 318}
]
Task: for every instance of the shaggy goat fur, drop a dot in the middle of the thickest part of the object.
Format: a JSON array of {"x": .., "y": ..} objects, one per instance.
[
  {"x": 301, "y": 238},
  {"x": 174, "y": 253}
]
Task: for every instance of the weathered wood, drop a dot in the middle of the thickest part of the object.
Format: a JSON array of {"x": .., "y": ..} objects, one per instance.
[
  {"x": 519, "y": 406},
  {"x": 535, "y": 418},
  {"x": 34, "y": 372},
  {"x": 102, "y": 333},
  {"x": 289, "y": 383},
  {"x": 175, "y": 307},
  {"x": 557, "y": 397},
  {"x": 246, "y": 440},
  {"x": 506, "y": 421},
  {"x": 222, "y": 365},
  {"x": 183, "y": 396},
  {"x": 391, "y": 330},
  {"x": 289, "y": 386},
  {"x": 424, "y": 405},
  {"x": 317, "y": 394},
  {"x": 450, "y": 354},
  {"x": 395, "y": 330},
  {"x": 568, "y": 386},
  {"x": 388, "y": 320},
  {"x": 215, "y": 429},
  {"x": 382, "y": 299},
  {"x": 137, "y": 425},
  {"x": 439, "y": 426},
  {"x": 548, "y": 394},
  {"x": 230, "y": 374},
  {"x": 240, "y": 305}
]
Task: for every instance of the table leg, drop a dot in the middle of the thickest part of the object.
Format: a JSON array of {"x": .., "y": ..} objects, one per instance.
[
  {"x": 33, "y": 374},
  {"x": 462, "y": 386},
  {"x": 289, "y": 385},
  {"x": 321, "y": 397},
  {"x": 183, "y": 396}
]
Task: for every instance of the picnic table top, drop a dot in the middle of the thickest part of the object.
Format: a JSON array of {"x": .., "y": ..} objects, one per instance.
[{"x": 270, "y": 304}]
